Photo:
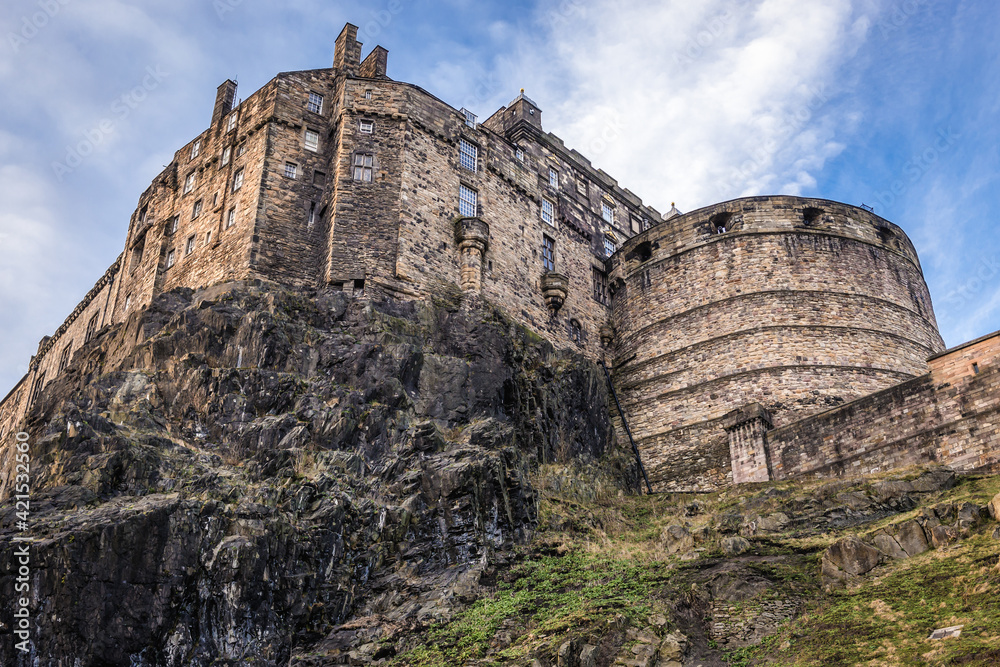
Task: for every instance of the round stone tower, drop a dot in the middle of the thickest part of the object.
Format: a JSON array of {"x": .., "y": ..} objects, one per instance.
[{"x": 796, "y": 304}]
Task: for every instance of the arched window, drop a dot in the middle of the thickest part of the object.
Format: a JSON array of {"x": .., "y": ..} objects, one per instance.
[{"x": 575, "y": 332}]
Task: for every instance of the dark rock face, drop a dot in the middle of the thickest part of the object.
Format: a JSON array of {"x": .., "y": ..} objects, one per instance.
[{"x": 232, "y": 476}]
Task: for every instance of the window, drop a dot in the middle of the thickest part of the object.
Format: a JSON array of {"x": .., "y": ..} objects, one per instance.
[
  {"x": 189, "y": 246},
  {"x": 645, "y": 224},
  {"x": 575, "y": 331},
  {"x": 363, "y": 165},
  {"x": 226, "y": 152},
  {"x": 189, "y": 183},
  {"x": 549, "y": 253},
  {"x": 196, "y": 149},
  {"x": 319, "y": 177},
  {"x": 581, "y": 187},
  {"x": 368, "y": 94},
  {"x": 208, "y": 237},
  {"x": 315, "y": 103},
  {"x": 609, "y": 246},
  {"x": 608, "y": 212},
  {"x": 171, "y": 258},
  {"x": 467, "y": 202},
  {"x": 975, "y": 368},
  {"x": 547, "y": 212},
  {"x": 231, "y": 218},
  {"x": 65, "y": 356},
  {"x": 366, "y": 126},
  {"x": 196, "y": 211},
  {"x": 470, "y": 118},
  {"x": 172, "y": 225},
  {"x": 519, "y": 154},
  {"x": 91, "y": 328},
  {"x": 290, "y": 170},
  {"x": 312, "y": 140},
  {"x": 241, "y": 149},
  {"x": 128, "y": 302},
  {"x": 553, "y": 177},
  {"x": 136, "y": 255},
  {"x": 37, "y": 389},
  {"x": 231, "y": 123},
  {"x": 238, "y": 180},
  {"x": 600, "y": 286},
  {"x": 215, "y": 199},
  {"x": 468, "y": 154},
  {"x": 312, "y": 213}
]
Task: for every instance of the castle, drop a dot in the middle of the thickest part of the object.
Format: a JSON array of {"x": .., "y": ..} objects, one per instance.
[{"x": 756, "y": 339}]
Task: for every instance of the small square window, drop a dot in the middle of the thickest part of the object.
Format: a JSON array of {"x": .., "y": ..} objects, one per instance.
[
  {"x": 549, "y": 253},
  {"x": 231, "y": 123},
  {"x": 231, "y": 218},
  {"x": 226, "y": 152},
  {"x": 312, "y": 140},
  {"x": 366, "y": 126},
  {"x": 363, "y": 166},
  {"x": 189, "y": 182},
  {"x": 548, "y": 214},
  {"x": 467, "y": 201},
  {"x": 196, "y": 211},
  {"x": 607, "y": 212},
  {"x": 581, "y": 187},
  {"x": 196, "y": 149},
  {"x": 553, "y": 178},
  {"x": 315, "y": 103},
  {"x": 171, "y": 258},
  {"x": 290, "y": 170},
  {"x": 238, "y": 180},
  {"x": 468, "y": 154},
  {"x": 189, "y": 246},
  {"x": 319, "y": 177}
]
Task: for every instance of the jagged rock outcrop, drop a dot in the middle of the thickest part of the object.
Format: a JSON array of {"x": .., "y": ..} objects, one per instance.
[{"x": 246, "y": 474}]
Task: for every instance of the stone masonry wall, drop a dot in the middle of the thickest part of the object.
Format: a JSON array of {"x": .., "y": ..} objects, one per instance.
[{"x": 950, "y": 416}]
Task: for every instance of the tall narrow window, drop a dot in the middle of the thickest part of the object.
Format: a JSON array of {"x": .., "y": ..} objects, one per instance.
[
  {"x": 208, "y": 237},
  {"x": 519, "y": 154},
  {"x": 65, "y": 356},
  {"x": 467, "y": 201},
  {"x": 312, "y": 213},
  {"x": 231, "y": 218},
  {"x": 128, "y": 302},
  {"x": 610, "y": 247},
  {"x": 91, "y": 328},
  {"x": 189, "y": 182},
  {"x": 172, "y": 225},
  {"x": 189, "y": 246},
  {"x": 241, "y": 149},
  {"x": 608, "y": 212},
  {"x": 231, "y": 123},
  {"x": 37, "y": 389},
  {"x": 291, "y": 170},
  {"x": 226, "y": 152},
  {"x": 363, "y": 166},
  {"x": 171, "y": 258},
  {"x": 312, "y": 140},
  {"x": 136, "y": 256},
  {"x": 553, "y": 177},
  {"x": 196, "y": 211},
  {"x": 196, "y": 149},
  {"x": 238, "y": 180},
  {"x": 368, "y": 94},
  {"x": 366, "y": 126},
  {"x": 548, "y": 214},
  {"x": 315, "y": 103},
  {"x": 575, "y": 331},
  {"x": 549, "y": 253},
  {"x": 600, "y": 286},
  {"x": 468, "y": 154}
]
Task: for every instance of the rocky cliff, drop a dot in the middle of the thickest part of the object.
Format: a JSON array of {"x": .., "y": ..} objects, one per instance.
[{"x": 251, "y": 475}]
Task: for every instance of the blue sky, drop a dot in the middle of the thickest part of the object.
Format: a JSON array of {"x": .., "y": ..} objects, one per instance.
[{"x": 891, "y": 103}]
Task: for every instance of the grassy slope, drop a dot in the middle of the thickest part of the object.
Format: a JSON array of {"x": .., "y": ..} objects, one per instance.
[{"x": 597, "y": 569}]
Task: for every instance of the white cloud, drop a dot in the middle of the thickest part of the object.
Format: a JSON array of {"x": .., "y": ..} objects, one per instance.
[{"x": 697, "y": 102}]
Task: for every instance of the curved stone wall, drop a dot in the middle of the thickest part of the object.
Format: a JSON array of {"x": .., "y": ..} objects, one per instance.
[{"x": 797, "y": 304}]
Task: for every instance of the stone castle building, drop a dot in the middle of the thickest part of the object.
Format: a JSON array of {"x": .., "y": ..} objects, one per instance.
[{"x": 756, "y": 339}]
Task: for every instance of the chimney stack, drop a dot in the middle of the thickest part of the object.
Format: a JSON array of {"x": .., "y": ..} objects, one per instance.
[
  {"x": 347, "y": 53},
  {"x": 224, "y": 97}
]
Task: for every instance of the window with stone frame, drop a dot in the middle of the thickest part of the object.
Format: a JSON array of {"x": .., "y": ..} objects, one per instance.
[
  {"x": 548, "y": 253},
  {"x": 600, "y": 287},
  {"x": 548, "y": 212},
  {"x": 241, "y": 149},
  {"x": 135, "y": 257},
  {"x": 468, "y": 202},
  {"x": 315, "y": 103},
  {"x": 364, "y": 165},
  {"x": 189, "y": 182},
  {"x": 231, "y": 123},
  {"x": 189, "y": 246},
  {"x": 366, "y": 127},
  {"x": 312, "y": 140},
  {"x": 610, "y": 247},
  {"x": 608, "y": 212},
  {"x": 231, "y": 218},
  {"x": 196, "y": 209},
  {"x": 171, "y": 258},
  {"x": 37, "y": 388},
  {"x": 196, "y": 149},
  {"x": 575, "y": 331},
  {"x": 238, "y": 180},
  {"x": 173, "y": 224},
  {"x": 553, "y": 177},
  {"x": 91, "y": 328},
  {"x": 65, "y": 356},
  {"x": 226, "y": 153},
  {"x": 468, "y": 154},
  {"x": 291, "y": 170}
]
